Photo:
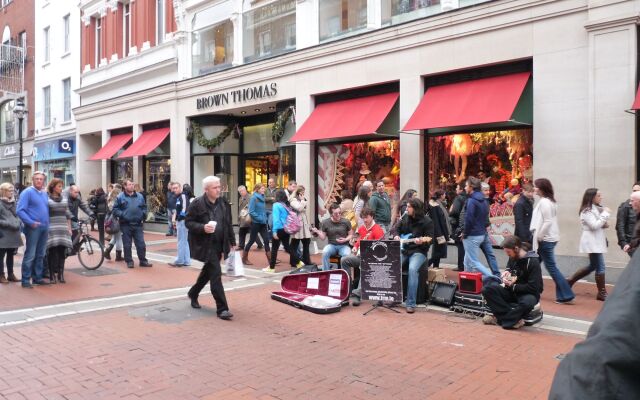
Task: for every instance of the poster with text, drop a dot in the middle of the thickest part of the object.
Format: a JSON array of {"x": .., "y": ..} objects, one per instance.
[{"x": 381, "y": 271}]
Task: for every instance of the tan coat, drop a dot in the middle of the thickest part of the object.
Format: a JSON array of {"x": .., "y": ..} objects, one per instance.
[{"x": 300, "y": 206}]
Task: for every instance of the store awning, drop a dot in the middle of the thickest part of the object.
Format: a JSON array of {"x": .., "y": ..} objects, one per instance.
[
  {"x": 113, "y": 145},
  {"x": 636, "y": 103},
  {"x": 146, "y": 143},
  {"x": 478, "y": 102},
  {"x": 346, "y": 118}
]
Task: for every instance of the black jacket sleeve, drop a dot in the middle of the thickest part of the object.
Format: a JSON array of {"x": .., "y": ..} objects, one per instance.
[
  {"x": 531, "y": 282},
  {"x": 518, "y": 214},
  {"x": 191, "y": 221},
  {"x": 621, "y": 222}
]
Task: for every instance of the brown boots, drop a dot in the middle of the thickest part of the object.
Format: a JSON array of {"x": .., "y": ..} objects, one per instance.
[
  {"x": 579, "y": 274},
  {"x": 245, "y": 258},
  {"x": 602, "y": 290}
]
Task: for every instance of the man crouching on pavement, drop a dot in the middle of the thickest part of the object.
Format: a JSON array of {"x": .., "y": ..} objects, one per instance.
[
  {"x": 520, "y": 289},
  {"x": 210, "y": 237}
]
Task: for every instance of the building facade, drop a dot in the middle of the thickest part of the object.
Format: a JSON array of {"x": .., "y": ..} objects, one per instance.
[
  {"x": 360, "y": 92},
  {"x": 17, "y": 24},
  {"x": 57, "y": 29}
]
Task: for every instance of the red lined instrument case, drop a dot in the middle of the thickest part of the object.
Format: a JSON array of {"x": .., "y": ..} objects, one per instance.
[{"x": 321, "y": 292}]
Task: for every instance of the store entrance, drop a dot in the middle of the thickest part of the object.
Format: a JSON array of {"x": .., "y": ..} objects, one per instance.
[{"x": 259, "y": 168}]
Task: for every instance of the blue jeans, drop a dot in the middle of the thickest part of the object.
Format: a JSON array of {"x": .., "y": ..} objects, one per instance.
[
  {"x": 133, "y": 233},
  {"x": 269, "y": 220},
  {"x": 415, "y": 262},
  {"x": 331, "y": 250},
  {"x": 596, "y": 263},
  {"x": 34, "y": 252},
  {"x": 487, "y": 249},
  {"x": 170, "y": 213},
  {"x": 184, "y": 255},
  {"x": 471, "y": 261},
  {"x": 546, "y": 252}
]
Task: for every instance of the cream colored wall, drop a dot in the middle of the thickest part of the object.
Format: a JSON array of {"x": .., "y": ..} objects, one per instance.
[{"x": 583, "y": 80}]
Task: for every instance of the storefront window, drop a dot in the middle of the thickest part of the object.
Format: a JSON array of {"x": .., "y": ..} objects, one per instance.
[
  {"x": 7, "y": 131},
  {"x": 121, "y": 170},
  {"x": 338, "y": 17},
  {"x": 224, "y": 167},
  {"x": 157, "y": 174},
  {"x": 503, "y": 159},
  {"x": 269, "y": 30},
  {"x": 212, "y": 48},
  {"x": 405, "y": 10},
  {"x": 346, "y": 166},
  {"x": 257, "y": 139}
]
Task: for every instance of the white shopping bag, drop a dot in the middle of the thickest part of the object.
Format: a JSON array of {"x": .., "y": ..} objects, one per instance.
[{"x": 235, "y": 267}]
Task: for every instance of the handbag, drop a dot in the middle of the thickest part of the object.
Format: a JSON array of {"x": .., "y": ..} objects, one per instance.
[
  {"x": 441, "y": 240},
  {"x": 245, "y": 217},
  {"x": 111, "y": 224}
]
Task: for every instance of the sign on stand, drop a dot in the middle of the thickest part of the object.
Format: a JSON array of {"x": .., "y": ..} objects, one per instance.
[{"x": 381, "y": 271}]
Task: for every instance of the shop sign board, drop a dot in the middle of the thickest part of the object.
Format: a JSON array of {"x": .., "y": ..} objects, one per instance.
[
  {"x": 54, "y": 149},
  {"x": 259, "y": 92},
  {"x": 9, "y": 151},
  {"x": 381, "y": 270}
]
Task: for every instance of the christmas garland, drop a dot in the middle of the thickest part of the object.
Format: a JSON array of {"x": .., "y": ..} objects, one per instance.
[
  {"x": 277, "y": 130},
  {"x": 210, "y": 144}
]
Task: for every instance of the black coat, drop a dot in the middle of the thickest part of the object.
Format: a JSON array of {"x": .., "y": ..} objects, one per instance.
[
  {"x": 98, "y": 204},
  {"x": 605, "y": 365},
  {"x": 417, "y": 228},
  {"x": 202, "y": 244},
  {"x": 625, "y": 221},
  {"x": 529, "y": 275},
  {"x": 522, "y": 211}
]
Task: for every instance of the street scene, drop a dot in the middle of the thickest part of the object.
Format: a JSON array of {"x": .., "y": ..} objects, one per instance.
[{"x": 283, "y": 199}]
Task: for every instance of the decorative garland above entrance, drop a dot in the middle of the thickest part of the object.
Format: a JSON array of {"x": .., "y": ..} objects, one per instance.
[
  {"x": 210, "y": 144},
  {"x": 277, "y": 130}
]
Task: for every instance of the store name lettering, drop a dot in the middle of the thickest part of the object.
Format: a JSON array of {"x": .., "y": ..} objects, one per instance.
[
  {"x": 238, "y": 96},
  {"x": 9, "y": 151}
]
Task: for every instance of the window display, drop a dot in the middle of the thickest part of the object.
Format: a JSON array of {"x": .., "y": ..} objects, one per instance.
[
  {"x": 346, "y": 166},
  {"x": 212, "y": 48},
  {"x": 503, "y": 159},
  {"x": 269, "y": 30},
  {"x": 338, "y": 17}
]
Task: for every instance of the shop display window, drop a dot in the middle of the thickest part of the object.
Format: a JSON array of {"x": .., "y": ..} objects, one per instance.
[
  {"x": 258, "y": 139},
  {"x": 269, "y": 30},
  {"x": 7, "y": 126},
  {"x": 346, "y": 166},
  {"x": 212, "y": 48},
  {"x": 398, "y": 11},
  {"x": 503, "y": 159},
  {"x": 158, "y": 174},
  {"x": 121, "y": 170},
  {"x": 339, "y": 17}
]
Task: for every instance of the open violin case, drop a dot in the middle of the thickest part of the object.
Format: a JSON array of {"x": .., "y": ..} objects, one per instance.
[{"x": 321, "y": 292}]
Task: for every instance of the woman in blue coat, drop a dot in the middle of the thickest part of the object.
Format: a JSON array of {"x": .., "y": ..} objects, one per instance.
[
  {"x": 258, "y": 214},
  {"x": 279, "y": 215}
]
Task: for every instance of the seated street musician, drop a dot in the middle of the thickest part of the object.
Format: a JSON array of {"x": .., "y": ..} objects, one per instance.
[
  {"x": 337, "y": 231},
  {"x": 367, "y": 231},
  {"x": 520, "y": 289},
  {"x": 416, "y": 230}
]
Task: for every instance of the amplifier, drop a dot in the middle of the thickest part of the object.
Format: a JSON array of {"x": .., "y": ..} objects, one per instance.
[{"x": 470, "y": 282}]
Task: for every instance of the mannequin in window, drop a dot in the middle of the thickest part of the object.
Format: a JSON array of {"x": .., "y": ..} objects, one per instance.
[{"x": 461, "y": 147}]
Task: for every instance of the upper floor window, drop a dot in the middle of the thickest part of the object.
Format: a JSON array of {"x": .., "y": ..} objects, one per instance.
[
  {"x": 66, "y": 99},
  {"x": 212, "y": 48},
  {"x": 7, "y": 125},
  {"x": 22, "y": 39},
  {"x": 269, "y": 30},
  {"x": 160, "y": 28},
  {"x": 66, "y": 30},
  {"x": 339, "y": 17},
  {"x": 98, "y": 43},
  {"x": 45, "y": 41},
  {"x": 397, "y": 11},
  {"x": 46, "y": 97},
  {"x": 126, "y": 28}
]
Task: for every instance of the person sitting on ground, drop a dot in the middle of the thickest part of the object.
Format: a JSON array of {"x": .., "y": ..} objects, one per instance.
[
  {"x": 338, "y": 231},
  {"x": 520, "y": 289},
  {"x": 368, "y": 231}
]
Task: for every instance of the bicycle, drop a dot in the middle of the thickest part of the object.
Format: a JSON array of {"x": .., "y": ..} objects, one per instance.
[{"x": 89, "y": 250}]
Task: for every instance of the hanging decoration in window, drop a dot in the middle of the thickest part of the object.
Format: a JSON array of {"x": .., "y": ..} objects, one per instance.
[
  {"x": 277, "y": 130},
  {"x": 196, "y": 133}
]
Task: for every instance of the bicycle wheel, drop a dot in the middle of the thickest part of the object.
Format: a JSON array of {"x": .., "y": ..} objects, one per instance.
[{"x": 90, "y": 253}]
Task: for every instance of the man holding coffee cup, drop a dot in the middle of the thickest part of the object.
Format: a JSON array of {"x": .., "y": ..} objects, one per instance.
[{"x": 210, "y": 237}]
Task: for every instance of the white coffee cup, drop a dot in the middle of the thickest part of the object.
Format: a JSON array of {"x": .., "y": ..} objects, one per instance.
[{"x": 213, "y": 224}]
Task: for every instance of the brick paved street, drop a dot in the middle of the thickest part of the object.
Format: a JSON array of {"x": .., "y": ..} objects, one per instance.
[{"x": 166, "y": 350}]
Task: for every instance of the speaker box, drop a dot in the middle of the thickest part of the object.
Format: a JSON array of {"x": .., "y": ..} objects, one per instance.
[
  {"x": 443, "y": 293},
  {"x": 470, "y": 282}
]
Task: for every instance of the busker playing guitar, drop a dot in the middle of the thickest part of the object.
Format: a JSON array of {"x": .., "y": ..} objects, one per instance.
[
  {"x": 414, "y": 251},
  {"x": 367, "y": 231}
]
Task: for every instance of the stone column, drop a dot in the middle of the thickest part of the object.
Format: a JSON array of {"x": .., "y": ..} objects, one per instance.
[
  {"x": 411, "y": 143},
  {"x": 138, "y": 162},
  {"x": 307, "y": 23},
  {"x": 305, "y": 155},
  {"x": 374, "y": 14}
]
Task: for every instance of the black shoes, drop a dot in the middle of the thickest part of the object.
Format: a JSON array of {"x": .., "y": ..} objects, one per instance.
[
  {"x": 194, "y": 302},
  {"x": 226, "y": 315},
  {"x": 130, "y": 264},
  {"x": 41, "y": 282},
  {"x": 146, "y": 264},
  {"x": 27, "y": 286}
]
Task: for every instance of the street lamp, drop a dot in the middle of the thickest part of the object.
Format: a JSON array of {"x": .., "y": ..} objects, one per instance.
[{"x": 20, "y": 111}]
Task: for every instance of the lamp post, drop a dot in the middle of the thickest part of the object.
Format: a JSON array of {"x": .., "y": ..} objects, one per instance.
[{"x": 20, "y": 111}]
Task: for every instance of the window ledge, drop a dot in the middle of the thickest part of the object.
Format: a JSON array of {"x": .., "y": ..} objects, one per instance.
[
  {"x": 65, "y": 54},
  {"x": 64, "y": 123},
  {"x": 46, "y": 64}
]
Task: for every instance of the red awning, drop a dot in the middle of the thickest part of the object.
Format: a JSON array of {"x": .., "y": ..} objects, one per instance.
[
  {"x": 346, "y": 118},
  {"x": 636, "y": 104},
  {"x": 146, "y": 143},
  {"x": 113, "y": 145},
  {"x": 481, "y": 101}
]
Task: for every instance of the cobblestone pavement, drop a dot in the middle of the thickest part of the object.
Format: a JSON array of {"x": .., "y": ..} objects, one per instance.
[{"x": 132, "y": 335}]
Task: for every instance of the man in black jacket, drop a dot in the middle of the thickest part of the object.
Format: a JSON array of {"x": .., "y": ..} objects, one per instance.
[
  {"x": 625, "y": 221},
  {"x": 210, "y": 237},
  {"x": 520, "y": 289},
  {"x": 522, "y": 211}
]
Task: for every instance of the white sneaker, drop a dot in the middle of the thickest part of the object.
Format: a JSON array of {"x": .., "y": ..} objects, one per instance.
[{"x": 267, "y": 269}]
